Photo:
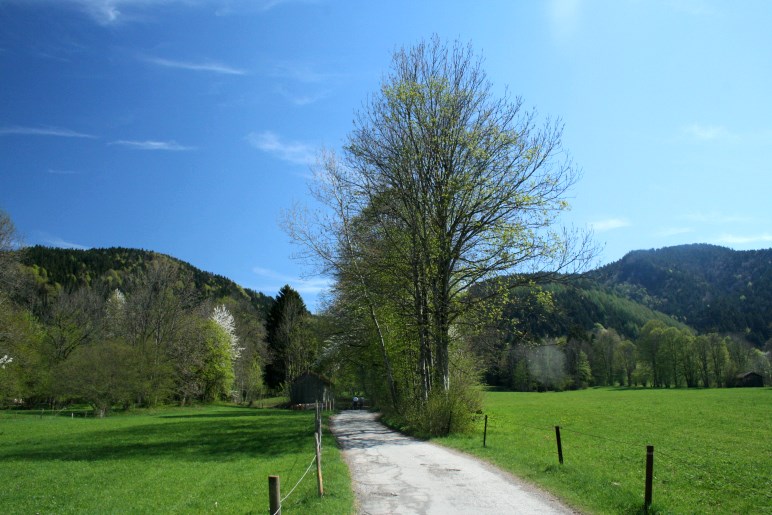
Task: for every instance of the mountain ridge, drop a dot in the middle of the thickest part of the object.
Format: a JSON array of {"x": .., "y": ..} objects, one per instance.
[{"x": 711, "y": 288}]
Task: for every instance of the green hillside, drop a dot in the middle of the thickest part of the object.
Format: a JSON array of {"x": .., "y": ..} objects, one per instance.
[
  {"x": 710, "y": 288},
  {"x": 70, "y": 269},
  {"x": 575, "y": 308}
]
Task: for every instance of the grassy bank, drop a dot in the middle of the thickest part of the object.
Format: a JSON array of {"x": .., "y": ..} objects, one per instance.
[
  {"x": 712, "y": 448},
  {"x": 173, "y": 460}
]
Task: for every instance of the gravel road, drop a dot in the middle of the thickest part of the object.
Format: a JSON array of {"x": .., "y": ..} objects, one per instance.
[{"x": 393, "y": 473}]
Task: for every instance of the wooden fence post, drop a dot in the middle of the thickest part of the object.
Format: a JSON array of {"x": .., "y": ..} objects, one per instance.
[
  {"x": 649, "y": 477},
  {"x": 317, "y": 420},
  {"x": 485, "y": 430},
  {"x": 274, "y": 496},
  {"x": 560, "y": 445},
  {"x": 319, "y": 481}
]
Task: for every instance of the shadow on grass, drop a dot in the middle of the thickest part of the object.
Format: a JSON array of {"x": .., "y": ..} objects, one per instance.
[
  {"x": 249, "y": 413},
  {"x": 197, "y": 437}
]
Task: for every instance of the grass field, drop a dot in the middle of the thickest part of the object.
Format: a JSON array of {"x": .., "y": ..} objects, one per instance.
[
  {"x": 712, "y": 448},
  {"x": 172, "y": 460}
]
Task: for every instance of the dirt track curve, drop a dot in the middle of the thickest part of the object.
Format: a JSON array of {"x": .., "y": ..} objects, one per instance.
[{"x": 395, "y": 474}]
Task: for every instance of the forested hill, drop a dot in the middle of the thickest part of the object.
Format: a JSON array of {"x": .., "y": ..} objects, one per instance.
[
  {"x": 71, "y": 269},
  {"x": 710, "y": 288},
  {"x": 574, "y": 309}
]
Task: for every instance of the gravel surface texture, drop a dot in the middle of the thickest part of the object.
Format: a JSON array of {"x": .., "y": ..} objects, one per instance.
[{"x": 393, "y": 473}]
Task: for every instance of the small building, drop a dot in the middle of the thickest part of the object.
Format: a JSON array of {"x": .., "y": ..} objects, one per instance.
[
  {"x": 309, "y": 388},
  {"x": 749, "y": 379}
]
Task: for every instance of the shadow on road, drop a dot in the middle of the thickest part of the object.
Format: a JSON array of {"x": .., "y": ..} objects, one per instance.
[{"x": 360, "y": 430}]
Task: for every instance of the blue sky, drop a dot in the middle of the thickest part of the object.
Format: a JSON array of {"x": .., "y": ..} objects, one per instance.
[{"x": 186, "y": 126}]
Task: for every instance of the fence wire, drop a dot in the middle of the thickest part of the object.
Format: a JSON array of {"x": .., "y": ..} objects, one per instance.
[
  {"x": 677, "y": 466},
  {"x": 308, "y": 469},
  {"x": 281, "y": 502}
]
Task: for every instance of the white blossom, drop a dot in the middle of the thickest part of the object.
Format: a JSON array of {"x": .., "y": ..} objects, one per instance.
[
  {"x": 224, "y": 319},
  {"x": 4, "y": 360}
]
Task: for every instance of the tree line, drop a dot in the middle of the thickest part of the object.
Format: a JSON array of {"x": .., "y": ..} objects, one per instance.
[
  {"x": 661, "y": 356},
  {"x": 163, "y": 335}
]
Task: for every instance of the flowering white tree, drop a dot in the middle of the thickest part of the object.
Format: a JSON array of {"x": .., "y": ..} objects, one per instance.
[
  {"x": 222, "y": 317},
  {"x": 5, "y": 360},
  {"x": 116, "y": 312}
]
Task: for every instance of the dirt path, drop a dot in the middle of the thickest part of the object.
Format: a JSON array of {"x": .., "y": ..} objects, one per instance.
[{"x": 392, "y": 473}]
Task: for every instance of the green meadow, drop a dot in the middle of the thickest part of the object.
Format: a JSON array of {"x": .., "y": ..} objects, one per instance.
[
  {"x": 171, "y": 460},
  {"x": 712, "y": 448}
]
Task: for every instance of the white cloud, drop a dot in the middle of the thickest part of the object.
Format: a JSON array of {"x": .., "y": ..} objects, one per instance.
[
  {"x": 301, "y": 99},
  {"x": 610, "y": 224},
  {"x": 207, "y": 66},
  {"x": 734, "y": 239},
  {"x": 715, "y": 217},
  {"x": 301, "y": 72},
  {"x": 112, "y": 12},
  {"x": 702, "y": 132},
  {"x": 152, "y": 145},
  {"x": 104, "y": 12},
  {"x": 55, "y": 241},
  {"x": 564, "y": 16},
  {"x": 674, "y": 231},
  {"x": 290, "y": 151},
  {"x": 240, "y": 7},
  {"x": 273, "y": 282},
  {"x": 43, "y": 131},
  {"x": 693, "y": 7}
]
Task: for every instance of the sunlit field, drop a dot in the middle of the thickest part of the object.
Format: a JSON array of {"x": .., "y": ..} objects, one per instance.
[
  {"x": 171, "y": 460},
  {"x": 712, "y": 448}
]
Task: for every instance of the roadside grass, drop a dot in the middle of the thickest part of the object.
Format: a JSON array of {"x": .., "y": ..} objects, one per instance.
[
  {"x": 712, "y": 448},
  {"x": 170, "y": 460}
]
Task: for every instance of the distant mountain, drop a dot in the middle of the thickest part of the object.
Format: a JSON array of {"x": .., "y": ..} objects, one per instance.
[
  {"x": 710, "y": 288},
  {"x": 71, "y": 269}
]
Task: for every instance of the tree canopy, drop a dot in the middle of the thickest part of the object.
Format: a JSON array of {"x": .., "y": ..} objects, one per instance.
[{"x": 445, "y": 186}]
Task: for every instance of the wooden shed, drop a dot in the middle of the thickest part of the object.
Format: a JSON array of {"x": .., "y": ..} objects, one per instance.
[
  {"x": 309, "y": 388},
  {"x": 749, "y": 379}
]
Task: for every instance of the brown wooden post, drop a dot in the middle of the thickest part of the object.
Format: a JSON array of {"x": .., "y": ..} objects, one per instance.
[
  {"x": 274, "y": 496},
  {"x": 485, "y": 430},
  {"x": 560, "y": 445},
  {"x": 649, "y": 477},
  {"x": 319, "y": 481}
]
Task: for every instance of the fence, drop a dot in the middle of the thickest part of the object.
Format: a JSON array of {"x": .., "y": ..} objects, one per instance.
[
  {"x": 674, "y": 465},
  {"x": 275, "y": 500}
]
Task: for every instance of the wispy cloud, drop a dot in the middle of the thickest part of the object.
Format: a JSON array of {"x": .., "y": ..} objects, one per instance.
[
  {"x": 693, "y": 7},
  {"x": 290, "y": 151},
  {"x": 734, "y": 239},
  {"x": 240, "y": 7},
  {"x": 674, "y": 231},
  {"x": 113, "y": 12},
  {"x": 564, "y": 16},
  {"x": 152, "y": 145},
  {"x": 701, "y": 132},
  {"x": 273, "y": 282},
  {"x": 307, "y": 73},
  {"x": 55, "y": 241},
  {"x": 203, "y": 66},
  {"x": 43, "y": 131},
  {"x": 304, "y": 83},
  {"x": 104, "y": 12},
  {"x": 716, "y": 217},
  {"x": 610, "y": 224},
  {"x": 301, "y": 99}
]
